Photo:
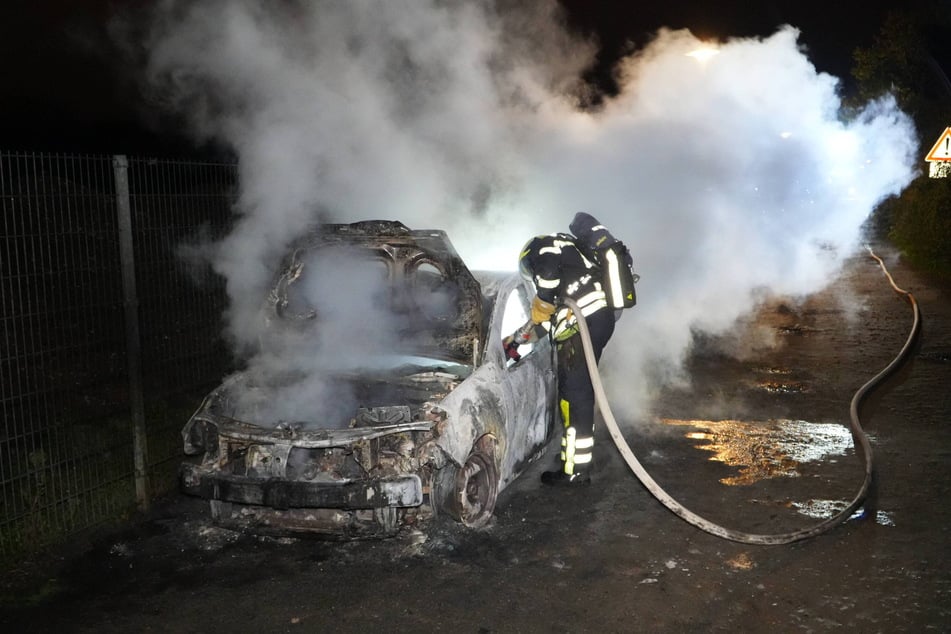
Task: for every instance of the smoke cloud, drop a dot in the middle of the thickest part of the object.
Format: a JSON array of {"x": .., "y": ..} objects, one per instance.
[
  {"x": 330, "y": 324},
  {"x": 725, "y": 177}
]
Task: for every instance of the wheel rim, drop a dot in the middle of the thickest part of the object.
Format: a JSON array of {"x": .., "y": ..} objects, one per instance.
[{"x": 477, "y": 487}]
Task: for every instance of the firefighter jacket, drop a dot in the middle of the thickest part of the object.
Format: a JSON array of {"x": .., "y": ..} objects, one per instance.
[{"x": 560, "y": 270}]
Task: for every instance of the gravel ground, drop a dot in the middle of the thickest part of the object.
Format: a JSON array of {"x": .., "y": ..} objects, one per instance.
[{"x": 757, "y": 442}]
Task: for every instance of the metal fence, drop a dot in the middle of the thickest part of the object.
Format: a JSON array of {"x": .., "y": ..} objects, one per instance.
[{"x": 109, "y": 335}]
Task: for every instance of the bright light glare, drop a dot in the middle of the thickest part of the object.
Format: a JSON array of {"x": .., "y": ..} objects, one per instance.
[{"x": 704, "y": 54}]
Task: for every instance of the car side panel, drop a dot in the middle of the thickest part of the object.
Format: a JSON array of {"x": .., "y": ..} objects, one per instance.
[{"x": 514, "y": 404}]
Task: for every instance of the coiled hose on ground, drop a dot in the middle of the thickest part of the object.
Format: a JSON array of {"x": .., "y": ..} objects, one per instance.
[{"x": 739, "y": 536}]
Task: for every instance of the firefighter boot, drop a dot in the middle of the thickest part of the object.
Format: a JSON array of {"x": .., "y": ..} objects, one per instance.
[
  {"x": 575, "y": 459},
  {"x": 559, "y": 478}
]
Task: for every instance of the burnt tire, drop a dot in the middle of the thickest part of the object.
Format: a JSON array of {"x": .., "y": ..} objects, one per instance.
[{"x": 475, "y": 490}]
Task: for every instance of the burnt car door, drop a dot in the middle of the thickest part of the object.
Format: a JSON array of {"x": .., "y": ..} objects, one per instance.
[{"x": 528, "y": 386}]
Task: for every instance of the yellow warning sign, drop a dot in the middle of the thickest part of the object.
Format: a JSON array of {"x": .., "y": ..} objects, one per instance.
[{"x": 942, "y": 149}]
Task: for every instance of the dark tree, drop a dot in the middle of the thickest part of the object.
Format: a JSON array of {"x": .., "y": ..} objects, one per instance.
[{"x": 910, "y": 58}]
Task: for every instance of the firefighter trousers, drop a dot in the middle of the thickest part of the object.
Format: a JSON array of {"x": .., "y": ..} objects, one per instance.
[{"x": 576, "y": 394}]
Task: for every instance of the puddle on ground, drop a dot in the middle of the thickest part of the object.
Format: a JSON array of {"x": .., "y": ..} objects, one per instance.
[
  {"x": 775, "y": 381},
  {"x": 824, "y": 509},
  {"x": 766, "y": 449},
  {"x": 775, "y": 448},
  {"x": 781, "y": 387}
]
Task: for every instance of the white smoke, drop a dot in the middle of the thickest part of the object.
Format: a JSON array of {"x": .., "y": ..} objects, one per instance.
[
  {"x": 327, "y": 324},
  {"x": 405, "y": 109},
  {"x": 724, "y": 177}
]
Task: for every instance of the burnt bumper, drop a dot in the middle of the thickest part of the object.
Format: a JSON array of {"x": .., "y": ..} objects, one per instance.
[{"x": 386, "y": 492}]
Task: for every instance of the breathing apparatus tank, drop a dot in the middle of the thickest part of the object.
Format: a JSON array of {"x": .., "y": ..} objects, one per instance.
[
  {"x": 611, "y": 255},
  {"x": 617, "y": 277}
]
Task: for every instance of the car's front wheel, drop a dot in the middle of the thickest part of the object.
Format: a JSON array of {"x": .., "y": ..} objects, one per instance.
[{"x": 475, "y": 490}]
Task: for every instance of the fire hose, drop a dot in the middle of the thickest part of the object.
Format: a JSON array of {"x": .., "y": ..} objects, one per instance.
[{"x": 858, "y": 435}]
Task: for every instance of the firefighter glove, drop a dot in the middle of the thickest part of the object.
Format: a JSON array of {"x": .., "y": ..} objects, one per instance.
[{"x": 541, "y": 310}]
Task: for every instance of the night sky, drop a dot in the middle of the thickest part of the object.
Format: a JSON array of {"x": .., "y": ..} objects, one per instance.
[{"x": 65, "y": 87}]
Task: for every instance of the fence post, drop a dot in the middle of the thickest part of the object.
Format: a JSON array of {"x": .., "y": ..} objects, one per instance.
[{"x": 120, "y": 166}]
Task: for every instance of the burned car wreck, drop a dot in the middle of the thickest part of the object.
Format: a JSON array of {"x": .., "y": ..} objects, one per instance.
[{"x": 380, "y": 396}]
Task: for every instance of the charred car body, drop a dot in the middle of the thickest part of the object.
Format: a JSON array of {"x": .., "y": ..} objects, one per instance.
[{"x": 430, "y": 419}]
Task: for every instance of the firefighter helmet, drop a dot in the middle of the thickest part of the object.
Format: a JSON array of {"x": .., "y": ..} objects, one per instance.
[{"x": 526, "y": 258}]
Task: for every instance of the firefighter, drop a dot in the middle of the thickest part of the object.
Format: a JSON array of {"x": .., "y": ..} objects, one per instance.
[{"x": 563, "y": 265}]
